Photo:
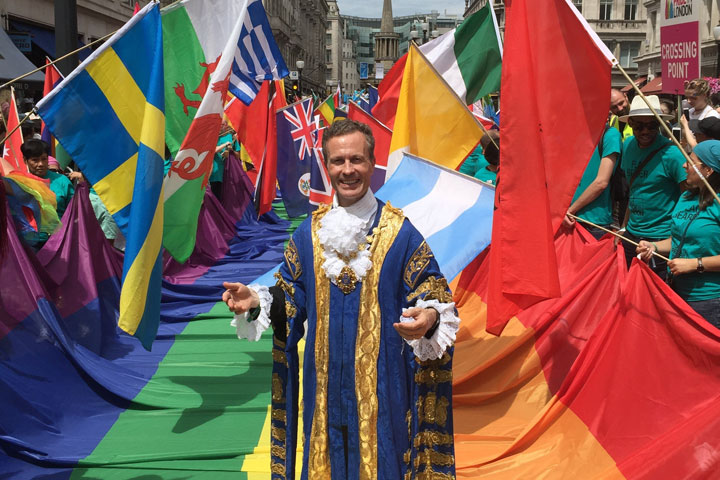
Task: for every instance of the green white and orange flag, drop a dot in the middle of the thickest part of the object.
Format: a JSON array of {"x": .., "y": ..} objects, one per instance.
[
  {"x": 469, "y": 57},
  {"x": 432, "y": 122}
]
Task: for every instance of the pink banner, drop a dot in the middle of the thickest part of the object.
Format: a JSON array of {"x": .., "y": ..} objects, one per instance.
[{"x": 680, "y": 54}]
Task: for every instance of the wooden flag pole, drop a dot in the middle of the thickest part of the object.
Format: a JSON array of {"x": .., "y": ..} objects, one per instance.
[
  {"x": 57, "y": 60},
  {"x": 27, "y": 115},
  {"x": 613, "y": 233},
  {"x": 669, "y": 132}
]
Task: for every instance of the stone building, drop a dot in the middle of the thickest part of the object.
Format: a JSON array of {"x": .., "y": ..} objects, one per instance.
[
  {"x": 364, "y": 30},
  {"x": 351, "y": 77},
  {"x": 621, "y": 24},
  {"x": 300, "y": 28},
  {"x": 386, "y": 40},
  {"x": 334, "y": 43}
]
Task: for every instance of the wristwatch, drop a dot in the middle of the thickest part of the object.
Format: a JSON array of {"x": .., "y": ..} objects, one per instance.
[{"x": 700, "y": 267}]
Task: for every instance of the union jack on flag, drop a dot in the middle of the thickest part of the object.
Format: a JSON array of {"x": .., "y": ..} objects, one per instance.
[
  {"x": 321, "y": 190},
  {"x": 302, "y": 126}
]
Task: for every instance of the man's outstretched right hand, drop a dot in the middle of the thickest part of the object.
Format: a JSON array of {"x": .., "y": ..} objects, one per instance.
[{"x": 239, "y": 298}]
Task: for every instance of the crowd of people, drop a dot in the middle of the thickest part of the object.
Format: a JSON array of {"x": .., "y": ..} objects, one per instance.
[{"x": 639, "y": 184}]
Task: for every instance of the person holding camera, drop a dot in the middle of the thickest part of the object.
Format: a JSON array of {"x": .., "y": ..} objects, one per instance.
[{"x": 694, "y": 243}]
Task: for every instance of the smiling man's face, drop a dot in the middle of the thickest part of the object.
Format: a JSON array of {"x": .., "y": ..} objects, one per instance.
[{"x": 349, "y": 166}]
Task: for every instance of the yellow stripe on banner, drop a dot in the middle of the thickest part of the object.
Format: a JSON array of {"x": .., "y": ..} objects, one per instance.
[
  {"x": 120, "y": 182},
  {"x": 257, "y": 464},
  {"x": 144, "y": 122},
  {"x": 135, "y": 287}
]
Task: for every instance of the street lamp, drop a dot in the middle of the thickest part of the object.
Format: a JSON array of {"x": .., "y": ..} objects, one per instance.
[
  {"x": 716, "y": 35},
  {"x": 300, "y": 65},
  {"x": 425, "y": 27}
]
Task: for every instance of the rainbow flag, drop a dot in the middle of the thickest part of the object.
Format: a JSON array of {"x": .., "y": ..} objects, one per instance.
[{"x": 120, "y": 86}]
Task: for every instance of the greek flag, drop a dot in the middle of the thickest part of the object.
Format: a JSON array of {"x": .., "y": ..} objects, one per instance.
[{"x": 257, "y": 57}]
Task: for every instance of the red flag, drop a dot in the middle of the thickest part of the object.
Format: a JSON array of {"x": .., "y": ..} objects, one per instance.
[
  {"x": 12, "y": 158},
  {"x": 52, "y": 78},
  {"x": 382, "y": 135},
  {"x": 267, "y": 176},
  {"x": 389, "y": 92},
  {"x": 555, "y": 88},
  {"x": 137, "y": 9}
]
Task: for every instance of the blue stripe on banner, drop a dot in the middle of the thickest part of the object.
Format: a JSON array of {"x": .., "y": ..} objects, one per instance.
[
  {"x": 146, "y": 194},
  {"x": 475, "y": 225},
  {"x": 122, "y": 218},
  {"x": 411, "y": 181},
  {"x": 91, "y": 110},
  {"x": 137, "y": 50}
]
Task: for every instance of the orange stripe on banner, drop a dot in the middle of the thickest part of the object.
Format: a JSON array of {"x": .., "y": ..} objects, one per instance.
[
  {"x": 507, "y": 422},
  {"x": 557, "y": 446}
]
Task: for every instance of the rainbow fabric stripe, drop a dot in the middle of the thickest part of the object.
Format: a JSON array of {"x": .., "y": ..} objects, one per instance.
[{"x": 109, "y": 116}]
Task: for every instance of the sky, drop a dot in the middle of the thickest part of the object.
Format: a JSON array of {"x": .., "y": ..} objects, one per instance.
[{"x": 373, "y": 8}]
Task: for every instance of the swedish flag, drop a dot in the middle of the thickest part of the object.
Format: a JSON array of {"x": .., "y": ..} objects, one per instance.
[{"x": 109, "y": 115}]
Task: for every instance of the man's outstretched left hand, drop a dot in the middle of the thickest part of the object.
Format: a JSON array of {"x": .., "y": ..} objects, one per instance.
[{"x": 423, "y": 320}]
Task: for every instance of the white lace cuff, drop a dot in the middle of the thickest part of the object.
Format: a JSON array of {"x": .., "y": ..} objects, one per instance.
[
  {"x": 252, "y": 330},
  {"x": 443, "y": 338}
]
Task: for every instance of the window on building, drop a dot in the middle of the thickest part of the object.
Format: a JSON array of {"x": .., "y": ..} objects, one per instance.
[
  {"x": 328, "y": 38},
  {"x": 578, "y": 5},
  {"x": 631, "y": 7},
  {"x": 628, "y": 51},
  {"x": 606, "y": 9}
]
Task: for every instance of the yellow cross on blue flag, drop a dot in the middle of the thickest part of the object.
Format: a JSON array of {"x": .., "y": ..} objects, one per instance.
[{"x": 109, "y": 116}]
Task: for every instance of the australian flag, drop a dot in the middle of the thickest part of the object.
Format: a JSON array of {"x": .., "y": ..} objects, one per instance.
[{"x": 297, "y": 142}]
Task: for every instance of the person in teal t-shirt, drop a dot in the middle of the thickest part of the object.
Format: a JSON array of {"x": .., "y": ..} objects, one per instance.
[
  {"x": 694, "y": 244},
  {"x": 474, "y": 162},
  {"x": 35, "y": 153},
  {"x": 226, "y": 142},
  {"x": 592, "y": 200},
  {"x": 490, "y": 144},
  {"x": 656, "y": 187}
]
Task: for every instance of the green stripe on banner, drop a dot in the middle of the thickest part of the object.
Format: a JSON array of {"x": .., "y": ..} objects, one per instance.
[{"x": 199, "y": 416}]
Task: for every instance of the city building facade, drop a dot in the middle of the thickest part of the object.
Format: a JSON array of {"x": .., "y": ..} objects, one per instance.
[
  {"x": 363, "y": 31},
  {"x": 334, "y": 46},
  {"x": 300, "y": 29},
  {"x": 350, "y": 75}
]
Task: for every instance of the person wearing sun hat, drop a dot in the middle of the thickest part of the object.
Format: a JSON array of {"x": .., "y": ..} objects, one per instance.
[
  {"x": 694, "y": 244},
  {"x": 654, "y": 169}
]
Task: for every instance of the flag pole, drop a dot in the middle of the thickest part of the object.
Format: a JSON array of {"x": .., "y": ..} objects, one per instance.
[
  {"x": 613, "y": 233},
  {"x": 668, "y": 131},
  {"x": 429, "y": 63},
  {"x": 57, "y": 60},
  {"x": 27, "y": 115}
]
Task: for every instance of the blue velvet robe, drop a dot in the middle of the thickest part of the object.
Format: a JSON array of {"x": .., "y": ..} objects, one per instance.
[{"x": 362, "y": 384}]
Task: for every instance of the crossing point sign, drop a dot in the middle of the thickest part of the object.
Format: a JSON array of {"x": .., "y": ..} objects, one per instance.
[{"x": 679, "y": 43}]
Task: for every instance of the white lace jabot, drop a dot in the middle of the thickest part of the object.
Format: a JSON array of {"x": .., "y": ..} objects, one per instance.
[{"x": 364, "y": 209}]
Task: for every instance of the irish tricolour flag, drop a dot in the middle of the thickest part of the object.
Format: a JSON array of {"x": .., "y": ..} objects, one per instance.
[{"x": 469, "y": 57}]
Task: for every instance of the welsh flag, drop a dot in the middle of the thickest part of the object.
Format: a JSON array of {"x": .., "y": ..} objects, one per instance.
[{"x": 211, "y": 47}]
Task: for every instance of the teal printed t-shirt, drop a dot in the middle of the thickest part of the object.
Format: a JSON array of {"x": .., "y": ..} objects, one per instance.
[
  {"x": 702, "y": 239},
  {"x": 474, "y": 162},
  {"x": 656, "y": 189},
  {"x": 486, "y": 175},
  {"x": 599, "y": 211},
  {"x": 62, "y": 187},
  {"x": 219, "y": 161}
]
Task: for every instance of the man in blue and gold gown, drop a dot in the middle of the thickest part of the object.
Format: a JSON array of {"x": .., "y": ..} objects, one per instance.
[{"x": 377, "y": 369}]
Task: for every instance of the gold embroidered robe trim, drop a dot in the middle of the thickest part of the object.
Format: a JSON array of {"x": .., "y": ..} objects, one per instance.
[
  {"x": 418, "y": 263},
  {"x": 368, "y": 342},
  {"x": 292, "y": 259},
  {"x": 433, "y": 289},
  {"x": 319, "y": 456}
]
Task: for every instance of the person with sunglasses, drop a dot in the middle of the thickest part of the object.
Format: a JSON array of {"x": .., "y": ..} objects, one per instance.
[
  {"x": 654, "y": 169},
  {"x": 694, "y": 244}
]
